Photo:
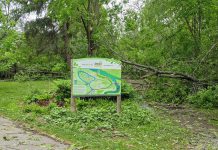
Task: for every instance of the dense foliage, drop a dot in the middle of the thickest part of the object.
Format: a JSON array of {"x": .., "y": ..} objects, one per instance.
[
  {"x": 100, "y": 114},
  {"x": 170, "y": 35},
  {"x": 206, "y": 98}
]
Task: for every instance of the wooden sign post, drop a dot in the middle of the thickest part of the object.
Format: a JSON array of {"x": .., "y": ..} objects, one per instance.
[
  {"x": 73, "y": 104},
  {"x": 92, "y": 77},
  {"x": 73, "y": 99},
  {"x": 118, "y": 104}
]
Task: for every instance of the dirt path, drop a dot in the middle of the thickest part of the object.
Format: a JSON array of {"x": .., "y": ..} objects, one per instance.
[
  {"x": 13, "y": 137},
  {"x": 205, "y": 135}
]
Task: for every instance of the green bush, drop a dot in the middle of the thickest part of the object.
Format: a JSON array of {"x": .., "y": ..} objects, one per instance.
[
  {"x": 63, "y": 90},
  {"x": 21, "y": 77},
  {"x": 83, "y": 103},
  {"x": 205, "y": 98},
  {"x": 36, "y": 96},
  {"x": 59, "y": 67},
  {"x": 60, "y": 96},
  {"x": 127, "y": 90}
]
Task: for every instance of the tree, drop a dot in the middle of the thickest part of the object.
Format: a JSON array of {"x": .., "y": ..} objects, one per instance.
[
  {"x": 163, "y": 38},
  {"x": 89, "y": 15},
  {"x": 10, "y": 40},
  {"x": 64, "y": 26}
]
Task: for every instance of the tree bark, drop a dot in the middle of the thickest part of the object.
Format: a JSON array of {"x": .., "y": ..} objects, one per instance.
[
  {"x": 66, "y": 54},
  {"x": 92, "y": 20}
]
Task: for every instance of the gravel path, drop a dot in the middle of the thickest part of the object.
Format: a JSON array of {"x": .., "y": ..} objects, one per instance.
[{"x": 13, "y": 137}]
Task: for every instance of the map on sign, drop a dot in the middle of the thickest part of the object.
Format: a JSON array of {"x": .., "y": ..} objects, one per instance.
[{"x": 96, "y": 77}]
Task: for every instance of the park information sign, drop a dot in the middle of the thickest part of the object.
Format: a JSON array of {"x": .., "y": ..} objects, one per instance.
[{"x": 96, "y": 77}]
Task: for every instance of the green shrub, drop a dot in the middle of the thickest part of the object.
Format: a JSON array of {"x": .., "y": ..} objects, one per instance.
[
  {"x": 59, "y": 67},
  {"x": 21, "y": 77},
  {"x": 82, "y": 103},
  {"x": 36, "y": 96},
  {"x": 127, "y": 89},
  {"x": 205, "y": 98},
  {"x": 63, "y": 90}
]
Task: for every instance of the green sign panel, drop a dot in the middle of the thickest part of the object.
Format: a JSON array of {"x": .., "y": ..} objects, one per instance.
[{"x": 96, "y": 77}]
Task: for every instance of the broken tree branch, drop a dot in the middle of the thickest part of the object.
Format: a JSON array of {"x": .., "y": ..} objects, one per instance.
[
  {"x": 169, "y": 74},
  {"x": 156, "y": 72}
]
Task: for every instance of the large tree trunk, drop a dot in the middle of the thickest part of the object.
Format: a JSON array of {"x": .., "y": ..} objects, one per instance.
[
  {"x": 89, "y": 31},
  {"x": 66, "y": 53},
  {"x": 90, "y": 42},
  {"x": 91, "y": 47},
  {"x": 90, "y": 20}
]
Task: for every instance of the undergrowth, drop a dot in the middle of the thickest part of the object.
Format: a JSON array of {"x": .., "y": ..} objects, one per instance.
[
  {"x": 96, "y": 125},
  {"x": 100, "y": 114},
  {"x": 205, "y": 98}
]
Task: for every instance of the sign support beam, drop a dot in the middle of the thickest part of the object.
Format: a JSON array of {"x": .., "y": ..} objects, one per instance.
[
  {"x": 73, "y": 104},
  {"x": 119, "y": 104},
  {"x": 73, "y": 99}
]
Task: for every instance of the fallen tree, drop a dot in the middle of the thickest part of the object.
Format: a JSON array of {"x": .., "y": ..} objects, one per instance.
[
  {"x": 166, "y": 74},
  {"x": 152, "y": 71}
]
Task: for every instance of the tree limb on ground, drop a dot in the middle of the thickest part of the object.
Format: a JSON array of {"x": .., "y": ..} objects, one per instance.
[{"x": 160, "y": 73}]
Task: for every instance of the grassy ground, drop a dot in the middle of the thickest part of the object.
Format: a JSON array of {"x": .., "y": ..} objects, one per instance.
[
  {"x": 201, "y": 122},
  {"x": 212, "y": 115},
  {"x": 160, "y": 133}
]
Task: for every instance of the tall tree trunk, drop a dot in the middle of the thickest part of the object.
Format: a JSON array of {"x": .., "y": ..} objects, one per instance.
[
  {"x": 90, "y": 22},
  {"x": 199, "y": 22},
  {"x": 90, "y": 42},
  {"x": 89, "y": 31},
  {"x": 66, "y": 54}
]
